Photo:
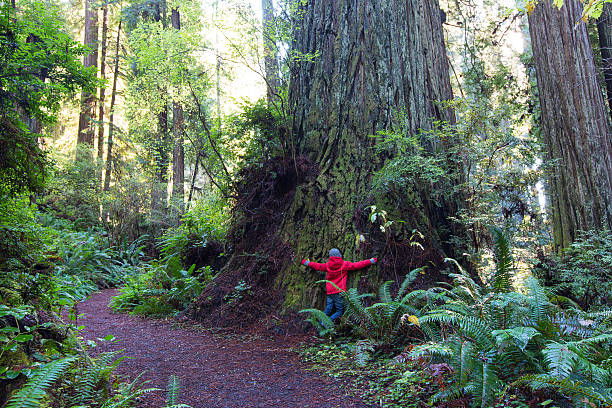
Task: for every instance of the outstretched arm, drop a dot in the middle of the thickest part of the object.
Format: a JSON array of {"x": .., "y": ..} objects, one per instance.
[
  {"x": 314, "y": 265},
  {"x": 362, "y": 264}
]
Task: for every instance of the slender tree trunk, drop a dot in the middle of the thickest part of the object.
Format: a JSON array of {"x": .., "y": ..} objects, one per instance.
[
  {"x": 270, "y": 54},
  {"x": 604, "y": 30},
  {"x": 88, "y": 100},
  {"x": 178, "y": 155},
  {"x": 103, "y": 87},
  {"x": 111, "y": 120},
  {"x": 159, "y": 189},
  {"x": 574, "y": 121}
]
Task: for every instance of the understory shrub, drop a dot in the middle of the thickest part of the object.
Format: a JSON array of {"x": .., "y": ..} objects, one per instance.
[
  {"x": 495, "y": 338},
  {"x": 497, "y": 344},
  {"x": 583, "y": 272},
  {"x": 161, "y": 289}
]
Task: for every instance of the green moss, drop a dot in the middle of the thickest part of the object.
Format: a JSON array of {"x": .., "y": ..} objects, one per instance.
[{"x": 10, "y": 297}]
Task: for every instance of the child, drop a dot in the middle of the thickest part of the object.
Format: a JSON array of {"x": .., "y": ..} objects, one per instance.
[{"x": 336, "y": 269}]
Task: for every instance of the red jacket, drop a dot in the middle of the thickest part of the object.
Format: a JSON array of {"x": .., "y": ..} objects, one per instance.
[{"x": 337, "y": 269}]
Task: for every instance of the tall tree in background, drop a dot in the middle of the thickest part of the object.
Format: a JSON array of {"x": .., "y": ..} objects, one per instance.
[
  {"x": 270, "y": 54},
  {"x": 178, "y": 154},
  {"x": 103, "y": 87},
  {"x": 111, "y": 121},
  {"x": 604, "y": 30},
  {"x": 373, "y": 59},
  {"x": 88, "y": 100},
  {"x": 161, "y": 155},
  {"x": 574, "y": 121}
]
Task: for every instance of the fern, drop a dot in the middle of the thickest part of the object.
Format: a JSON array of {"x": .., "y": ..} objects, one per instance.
[
  {"x": 322, "y": 322},
  {"x": 502, "y": 277},
  {"x": 363, "y": 352},
  {"x": 89, "y": 377},
  {"x": 564, "y": 386},
  {"x": 31, "y": 395},
  {"x": 128, "y": 393},
  {"x": 384, "y": 293},
  {"x": 410, "y": 277}
]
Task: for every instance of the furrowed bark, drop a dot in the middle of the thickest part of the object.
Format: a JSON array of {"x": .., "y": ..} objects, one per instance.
[
  {"x": 88, "y": 100},
  {"x": 574, "y": 124},
  {"x": 373, "y": 59},
  {"x": 111, "y": 124}
]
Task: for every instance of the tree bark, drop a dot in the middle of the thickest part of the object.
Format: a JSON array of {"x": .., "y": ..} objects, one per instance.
[
  {"x": 604, "y": 30},
  {"x": 88, "y": 100},
  {"x": 374, "y": 59},
  {"x": 574, "y": 123},
  {"x": 159, "y": 190},
  {"x": 270, "y": 54},
  {"x": 103, "y": 87},
  {"x": 178, "y": 154},
  {"x": 111, "y": 124}
]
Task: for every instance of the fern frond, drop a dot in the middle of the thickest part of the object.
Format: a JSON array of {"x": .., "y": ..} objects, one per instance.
[
  {"x": 431, "y": 349},
  {"x": 410, "y": 277},
  {"x": 322, "y": 322},
  {"x": 173, "y": 390},
  {"x": 501, "y": 281},
  {"x": 363, "y": 352},
  {"x": 35, "y": 389},
  {"x": 564, "y": 386},
  {"x": 384, "y": 293},
  {"x": 468, "y": 326},
  {"x": 560, "y": 358},
  {"x": 537, "y": 300}
]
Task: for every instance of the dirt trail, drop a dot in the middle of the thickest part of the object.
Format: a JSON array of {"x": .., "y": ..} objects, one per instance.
[{"x": 213, "y": 371}]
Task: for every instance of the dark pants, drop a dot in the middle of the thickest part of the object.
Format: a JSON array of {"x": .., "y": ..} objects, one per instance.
[{"x": 334, "y": 307}]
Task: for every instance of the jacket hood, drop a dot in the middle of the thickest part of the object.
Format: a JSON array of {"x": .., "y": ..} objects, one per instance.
[{"x": 335, "y": 263}]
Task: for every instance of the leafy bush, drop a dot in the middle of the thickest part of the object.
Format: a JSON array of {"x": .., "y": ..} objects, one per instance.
[
  {"x": 161, "y": 289},
  {"x": 206, "y": 221},
  {"x": 73, "y": 190},
  {"x": 493, "y": 336},
  {"x": 583, "y": 270},
  {"x": 381, "y": 322}
]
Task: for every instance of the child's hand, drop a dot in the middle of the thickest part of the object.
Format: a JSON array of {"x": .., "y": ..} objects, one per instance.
[
  {"x": 373, "y": 260},
  {"x": 305, "y": 262}
]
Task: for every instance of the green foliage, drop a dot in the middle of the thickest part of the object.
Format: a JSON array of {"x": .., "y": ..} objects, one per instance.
[
  {"x": 383, "y": 322},
  {"x": 492, "y": 336},
  {"x": 39, "y": 67},
  {"x": 161, "y": 289},
  {"x": 206, "y": 221},
  {"x": 32, "y": 394},
  {"x": 73, "y": 189},
  {"x": 320, "y": 321},
  {"x": 379, "y": 382},
  {"x": 583, "y": 270},
  {"x": 413, "y": 161}
]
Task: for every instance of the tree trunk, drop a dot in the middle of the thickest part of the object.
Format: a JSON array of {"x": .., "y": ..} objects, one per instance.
[
  {"x": 375, "y": 59},
  {"x": 88, "y": 100},
  {"x": 371, "y": 59},
  {"x": 103, "y": 87},
  {"x": 574, "y": 121},
  {"x": 178, "y": 155},
  {"x": 111, "y": 124},
  {"x": 604, "y": 30},
  {"x": 270, "y": 54},
  {"x": 159, "y": 190}
]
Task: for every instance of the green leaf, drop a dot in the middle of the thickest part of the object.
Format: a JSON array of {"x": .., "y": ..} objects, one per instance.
[
  {"x": 521, "y": 335},
  {"x": 22, "y": 338}
]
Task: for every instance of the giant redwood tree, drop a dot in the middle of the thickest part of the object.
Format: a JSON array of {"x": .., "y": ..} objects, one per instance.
[
  {"x": 358, "y": 63},
  {"x": 574, "y": 121}
]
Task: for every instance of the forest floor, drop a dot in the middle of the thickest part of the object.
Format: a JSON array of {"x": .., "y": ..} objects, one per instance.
[{"x": 227, "y": 370}]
